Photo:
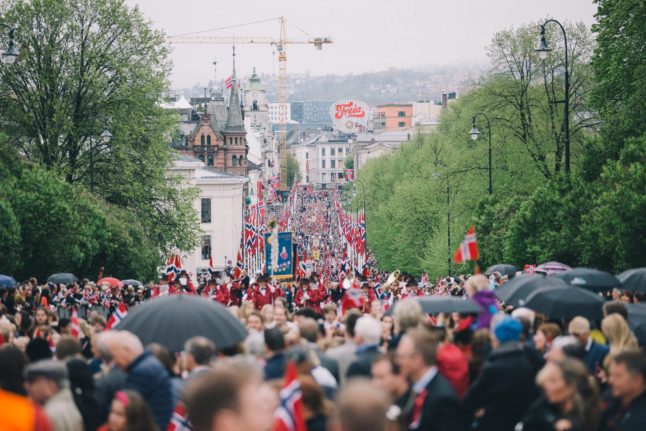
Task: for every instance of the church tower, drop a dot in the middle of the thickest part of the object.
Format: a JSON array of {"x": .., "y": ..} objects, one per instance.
[{"x": 234, "y": 133}]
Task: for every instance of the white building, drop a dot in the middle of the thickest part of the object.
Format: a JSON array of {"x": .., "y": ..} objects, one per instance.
[
  {"x": 219, "y": 209},
  {"x": 321, "y": 160},
  {"x": 371, "y": 145},
  {"x": 275, "y": 110}
]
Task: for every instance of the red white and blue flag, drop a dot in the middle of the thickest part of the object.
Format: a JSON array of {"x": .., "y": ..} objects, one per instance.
[
  {"x": 76, "y": 328},
  {"x": 211, "y": 269},
  {"x": 468, "y": 249},
  {"x": 179, "y": 421},
  {"x": 116, "y": 317},
  {"x": 289, "y": 415},
  {"x": 170, "y": 268}
]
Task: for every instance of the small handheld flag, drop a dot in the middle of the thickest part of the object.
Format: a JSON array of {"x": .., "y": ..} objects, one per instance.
[{"x": 468, "y": 249}]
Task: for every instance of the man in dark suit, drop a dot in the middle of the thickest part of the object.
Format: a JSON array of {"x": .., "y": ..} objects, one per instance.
[
  {"x": 627, "y": 378},
  {"x": 198, "y": 354},
  {"x": 433, "y": 404},
  {"x": 595, "y": 353}
]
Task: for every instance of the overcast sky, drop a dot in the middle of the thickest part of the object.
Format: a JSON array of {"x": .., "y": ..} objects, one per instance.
[{"x": 368, "y": 35}]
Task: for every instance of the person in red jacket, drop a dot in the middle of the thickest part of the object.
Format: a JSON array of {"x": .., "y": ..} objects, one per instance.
[
  {"x": 235, "y": 294},
  {"x": 184, "y": 283},
  {"x": 262, "y": 294},
  {"x": 210, "y": 289},
  {"x": 223, "y": 295},
  {"x": 369, "y": 296},
  {"x": 307, "y": 296}
]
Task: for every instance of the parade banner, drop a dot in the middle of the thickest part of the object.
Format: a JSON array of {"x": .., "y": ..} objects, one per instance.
[{"x": 278, "y": 254}]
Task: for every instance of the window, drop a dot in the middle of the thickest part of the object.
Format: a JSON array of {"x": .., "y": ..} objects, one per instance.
[
  {"x": 307, "y": 155},
  {"x": 254, "y": 105},
  {"x": 209, "y": 160},
  {"x": 206, "y": 247},
  {"x": 340, "y": 175},
  {"x": 332, "y": 164},
  {"x": 202, "y": 140},
  {"x": 201, "y": 157},
  {"x": 332, "y": 152},
  {"x": 307, "y": 178},
  {"x": 323, "y": 177},
  {"x": 234, "y": 161},
  {"x": 322, "y": 152},
  {"x": 401, "y": 124},
  {"x": 206, "y": 210},
  {"x": 340, "y": 151},
  {"x": 322, "y": 164},
  {"x": 208, "y": 140},
  {"x": 401, "y": 114},
  {"x": 241, "y": 160},
  {"x": 236, "y": 140}
]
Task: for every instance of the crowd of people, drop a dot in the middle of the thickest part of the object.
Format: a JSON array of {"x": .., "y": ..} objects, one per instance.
[{"x": 361, "y": 352}]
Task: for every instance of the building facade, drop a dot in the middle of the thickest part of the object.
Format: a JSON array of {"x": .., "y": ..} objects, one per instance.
[
  {"x": 219, "y": 209},
  {"x": 321, "y": 160},
  {"x": 393, "y": 116}
]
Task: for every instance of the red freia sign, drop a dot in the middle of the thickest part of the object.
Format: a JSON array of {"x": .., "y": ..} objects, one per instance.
[{"x": 348, "y": 110}]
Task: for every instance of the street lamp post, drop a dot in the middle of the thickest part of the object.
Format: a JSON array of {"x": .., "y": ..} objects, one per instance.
[
  {"x": 475, "y": 134},
  {"x": 106, "y": 136},
  {"x": 543, "y": 49},
  {"x": 437, "y": 175},
  {"x": 10, "y": 55}
]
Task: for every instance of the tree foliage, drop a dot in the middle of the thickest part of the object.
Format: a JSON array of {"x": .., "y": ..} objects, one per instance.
[
  {"x": 85, "y": 65},
  {"x": 594, "y": 218},
  {"x": 293, "y": 170}
]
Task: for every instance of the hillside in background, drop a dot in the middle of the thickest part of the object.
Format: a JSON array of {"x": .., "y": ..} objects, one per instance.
[{"x": 392, "y": 85}]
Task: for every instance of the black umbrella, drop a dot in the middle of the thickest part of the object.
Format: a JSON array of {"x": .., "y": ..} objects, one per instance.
[
  {"x": 503, "y": 269},
  {"x": 590, "y": 279},
  {"x": 7, "y": 281},
  {"x": 516, "y": 291},
  {"x": 448, "y": 304},
  {"x": 62, "y": 278},
  {"x": 132, "y": 282},
  {"x": 637, "y": 321},
  {"x": 171, "y": 320},
  {"x": 633, "y": 279},
  {"x": 565, "y": 302}
]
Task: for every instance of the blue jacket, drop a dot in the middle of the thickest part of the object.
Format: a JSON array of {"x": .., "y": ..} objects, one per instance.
[
  {"x": 595, "y": 356},
  {"x": 275, "y": 366},
  {"x": 148, "y": 376}
]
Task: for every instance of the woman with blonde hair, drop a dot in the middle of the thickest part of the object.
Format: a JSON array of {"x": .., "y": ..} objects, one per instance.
[{"x": 620, "y": 337}]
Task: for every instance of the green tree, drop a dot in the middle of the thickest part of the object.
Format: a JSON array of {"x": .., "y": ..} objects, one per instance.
[
  {"x": 619, "y": 64},
  {"x": 349, "y": 162},
  {"x": 82, "y": 63},
  {"x": 293, "y": 170},
  {"x": 10, "y": 238}
]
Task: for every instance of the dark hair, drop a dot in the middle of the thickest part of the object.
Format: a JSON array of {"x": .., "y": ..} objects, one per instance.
[
  {"x": 390, "y": 358},
  {"x": 12, "y": 365},
  {"x": 202, "y": 349},
  {"x": 215, "y": 391},
  {"x": 63, "y": 323},
  {"x": 574, "y": 351},
  {"x": 351, "y": 322},
  {"x": 38, "y": 349},
  {"x": 66, "y": 347},
  {"x": 307, "y": 312},
  {"x": 309, "y": 329},
  {"x": 163, "y": 355},
  {"x": 274, "y": 339},
  {"x": 635, "y": 362},
  {"x": 615, "y": 307},
  {"x": 138, "y": 415},
  {"x": 313, "y": 397}
]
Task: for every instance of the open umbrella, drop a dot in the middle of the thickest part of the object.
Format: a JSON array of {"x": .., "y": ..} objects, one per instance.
[
  {"x": 590, "y": 279},
  {"x": 111, "y": 281},
  {"x": 516, "y": 291},
  {"x": 550, "y": 268},
  {"x": 633, "y": 279},
  {"x": 132, "y": 282},
  {"x": 62, "y": 278},
  {"x": 448, "y": 304},
  {"x": 637, "y": 321},
  {"x": 504, "y": 269},
  {"x": 7, "y": 281},
  {"x": 565, "y": 302},
  {"x": 171, "y": 320}
]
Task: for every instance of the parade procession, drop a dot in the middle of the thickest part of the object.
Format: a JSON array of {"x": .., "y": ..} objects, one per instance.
[{"x": 432, "y": 221}]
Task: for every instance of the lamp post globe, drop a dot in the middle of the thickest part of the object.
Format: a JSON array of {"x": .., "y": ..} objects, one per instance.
[
  {"x": 11, "y": 53},
  {"x": 541, "y": 47},
  {"x": 106, "y": 136},
  {"x": 474, "y": 133}
]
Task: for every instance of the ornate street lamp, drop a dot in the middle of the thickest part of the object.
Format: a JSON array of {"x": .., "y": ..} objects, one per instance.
[
  {"x": 475, "y": 134},
  {"x": 10, "y": 55}
]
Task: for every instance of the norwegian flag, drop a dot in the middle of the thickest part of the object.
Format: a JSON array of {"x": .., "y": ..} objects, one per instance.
[
  {"x": 289, "y": 415},
  {"x": 237, "y": 271},
  {"x": 349, "y": 174},
  {"x": 229, "y": 82},
  {"x": 116, "y": 317},
  {"x": 170, "y": 268},
  {"x": 178, "y": 264},
  {"x": 353, "y": 298},
  {"x": 76, "y": 328},
  {"x": 249, "y": 234},
  {"x": 468, "y": 249},
  {"x": 211, "y": 269},
  {"x": 179, "y": 421}
]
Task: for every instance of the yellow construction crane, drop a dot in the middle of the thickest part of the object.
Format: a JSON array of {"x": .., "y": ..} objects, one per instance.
[{"x": 280, "y": 43}]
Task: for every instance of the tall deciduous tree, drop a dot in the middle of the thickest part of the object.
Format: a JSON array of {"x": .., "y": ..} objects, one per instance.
[
  {"x": 293, "y": 170},
  {"x": 85, "y": 64}
]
